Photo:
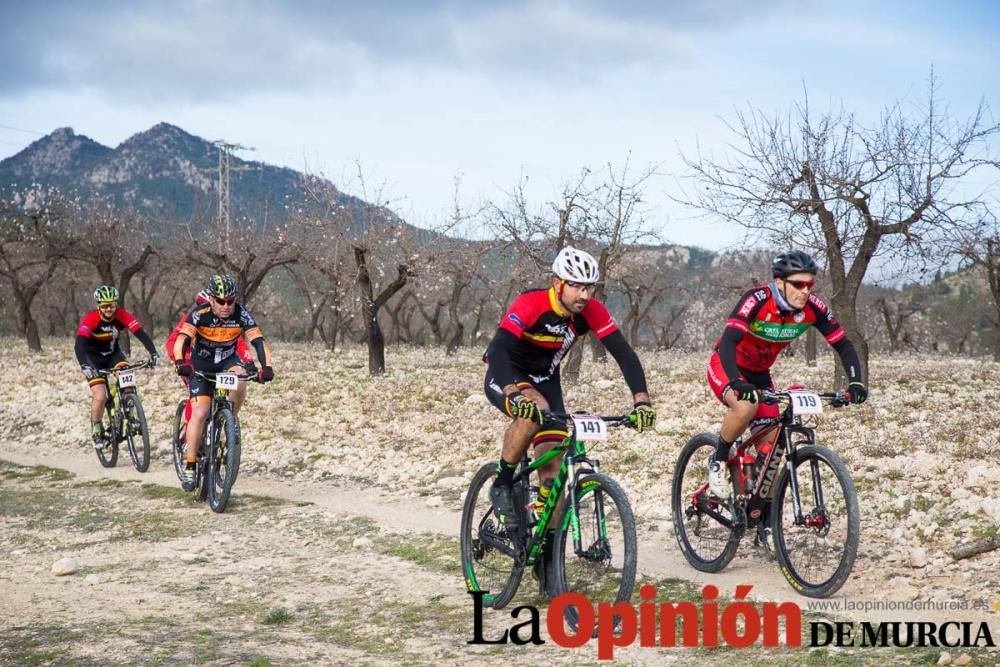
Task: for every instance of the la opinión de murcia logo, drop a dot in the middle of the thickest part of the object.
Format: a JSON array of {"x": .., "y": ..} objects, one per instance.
[{"x": 737, "y": 624}]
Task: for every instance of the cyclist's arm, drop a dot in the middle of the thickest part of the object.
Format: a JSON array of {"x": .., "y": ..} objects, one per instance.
[
  {"x": 185, "y": 336},
  {"x": 737, "y": 327},
  {"x": 256, "y": 339},
  {"x": 499, "y": 356},
  {"x": 87, "y": 324},
  {"x": 629, "y": 362},
  {"x": 80, "y": 349},
  {"x": 849, "y": 358},
  {"x": 146, "y": 340},
  {"x": 731, "y": 337}
]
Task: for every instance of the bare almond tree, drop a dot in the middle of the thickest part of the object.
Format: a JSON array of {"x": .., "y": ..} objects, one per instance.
[{"x": 847, "y": 191}]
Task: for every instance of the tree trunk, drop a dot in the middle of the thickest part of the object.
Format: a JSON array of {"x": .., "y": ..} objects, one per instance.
[
  {"x": 811, "y": 347},
  {"x": 28, "y": 324},
  {"x": 844, "y": 309},
  {"x": 574, "y": 360}
]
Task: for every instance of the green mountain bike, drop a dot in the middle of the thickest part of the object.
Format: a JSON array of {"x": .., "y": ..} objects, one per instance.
[
  {"x": 124, "y": 418},
  {"x": 590, "y": 539}
]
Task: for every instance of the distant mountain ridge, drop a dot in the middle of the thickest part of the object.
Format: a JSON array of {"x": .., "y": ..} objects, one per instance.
[{"x": 163, "y": 171}]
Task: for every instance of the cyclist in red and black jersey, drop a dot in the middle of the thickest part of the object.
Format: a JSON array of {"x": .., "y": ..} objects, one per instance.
[
  {"x": 97, "y": 349},
  {"x": 212, "y": 330},
  {"x": 534, "y": 335},
  {"x": 767, "y": 319}
]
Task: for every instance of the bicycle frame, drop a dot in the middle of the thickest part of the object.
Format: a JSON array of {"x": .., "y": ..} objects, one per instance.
[
  {"x": 574, "y": 455},
  {"x": 764, "y": 469},
  {"x": 114, "y": 394}
]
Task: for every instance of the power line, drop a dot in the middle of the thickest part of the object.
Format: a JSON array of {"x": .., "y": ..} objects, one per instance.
[{"x": 21, "y": 129}]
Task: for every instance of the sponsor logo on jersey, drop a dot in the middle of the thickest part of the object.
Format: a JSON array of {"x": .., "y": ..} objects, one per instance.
[
  {"x": 515, "y": 319},
  {"x": 747, "y": 307}
]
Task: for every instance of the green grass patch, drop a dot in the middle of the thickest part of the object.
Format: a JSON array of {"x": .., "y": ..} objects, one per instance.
[{"x": 277, "y": 616}]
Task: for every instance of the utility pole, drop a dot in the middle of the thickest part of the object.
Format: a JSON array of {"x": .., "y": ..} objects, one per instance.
[{"x": 225, "y": 151}]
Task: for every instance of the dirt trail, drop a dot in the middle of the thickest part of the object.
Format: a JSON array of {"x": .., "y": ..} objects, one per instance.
[{"x": 399, "y": 598}]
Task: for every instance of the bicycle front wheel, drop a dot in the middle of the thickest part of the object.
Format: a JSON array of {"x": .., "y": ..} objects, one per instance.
[
  {"x": 816, "y": 553},
  {"x": 603, "y": 568},
  {"x": 178, "y": 444},
  {"x": 489, "y": 551},
  {"x": 223, "y": 459},
  {"x": 108, "y": 454},
  {"x": 136, "y": 432},
  {"x": 707, "y": 532}
]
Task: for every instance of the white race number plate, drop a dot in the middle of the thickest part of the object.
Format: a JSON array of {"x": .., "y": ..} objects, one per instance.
[
  {"x": 589, "y": 427},
  {"x": 806, "y": 403},
  {"x": 227, "y": 380},
  {"x": 126, "y": 379}
]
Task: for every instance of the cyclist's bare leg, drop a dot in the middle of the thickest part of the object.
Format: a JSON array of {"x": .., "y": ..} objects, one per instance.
[
  {"x": 520, "y": 432},
  {"x": 240, "y": 393},
  {"x": 199, "y": 413},
  {"x": 737, "y": 418},
  {"x": 98, "y": 397}
]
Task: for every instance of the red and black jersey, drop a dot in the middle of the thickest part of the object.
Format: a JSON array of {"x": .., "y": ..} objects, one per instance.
[
  {"x": 545, "y": 331},
  {"x": 768, "y": 329},
  {"x": 101, "y": 338}
]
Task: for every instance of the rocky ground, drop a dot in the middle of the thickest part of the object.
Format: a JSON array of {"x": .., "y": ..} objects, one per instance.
[{"x": 340, "y": 544}]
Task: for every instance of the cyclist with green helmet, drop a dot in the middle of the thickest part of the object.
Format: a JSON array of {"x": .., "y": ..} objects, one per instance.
[
  {"x": 97, "y": 349},
  {"x": 212, "y": 330}
]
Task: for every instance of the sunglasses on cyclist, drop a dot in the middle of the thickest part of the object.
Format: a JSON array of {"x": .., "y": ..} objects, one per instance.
[
  {"x": 801, "y": 284},
  {"x": 589, "y": 287},
  {"x": 224, "y": 302}
]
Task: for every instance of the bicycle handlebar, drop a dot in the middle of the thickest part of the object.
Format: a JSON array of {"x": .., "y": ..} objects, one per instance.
[
  {"x": 211, "y": 377},
  {"x": 836, "y": 399},
  {"x": 122, "y": 369},
  {"x": 616, "y": 420}
]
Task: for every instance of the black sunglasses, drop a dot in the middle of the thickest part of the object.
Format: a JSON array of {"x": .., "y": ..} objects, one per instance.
[{"x": 224, "y": 302}]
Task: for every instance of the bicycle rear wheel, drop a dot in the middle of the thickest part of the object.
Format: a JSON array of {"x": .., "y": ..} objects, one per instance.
[
  {"x": 136, "y": 431},
  {"x": 707, "y": 532},
  {"x": 223, "y": 459},
  {"x": 817, "y": 555},
  {"x": 108, "y": 454},
  {"x": 178, "y": 445},
  {"x": 604, "y": 571},
  {"x": 492, "y": 557}
]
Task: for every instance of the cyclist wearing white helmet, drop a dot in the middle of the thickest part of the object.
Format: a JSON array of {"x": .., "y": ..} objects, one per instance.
[
  {"x": 532, "y": 339},
  {"x": 97, "y": 349}
]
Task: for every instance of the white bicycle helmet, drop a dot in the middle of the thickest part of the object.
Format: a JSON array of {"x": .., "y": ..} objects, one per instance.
[{"x": 576, "y": 266}]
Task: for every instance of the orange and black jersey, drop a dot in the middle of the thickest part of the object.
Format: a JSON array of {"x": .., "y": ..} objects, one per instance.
[
  {"x": 214, "y": 338},
  {"x": 536, "y": 332}
]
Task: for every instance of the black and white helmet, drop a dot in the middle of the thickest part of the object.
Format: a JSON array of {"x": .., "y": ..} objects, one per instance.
[
  {"x": 793, "y": 261},
  {"x": 576, "y": 266}
]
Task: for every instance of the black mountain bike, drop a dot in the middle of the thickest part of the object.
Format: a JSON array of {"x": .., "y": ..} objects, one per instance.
[
  {"x": 590, "y": 539},
  {"x": 124, "y": 418},
  {"x": 784, "y": 486},
  {"x": 218, "y": 459}
]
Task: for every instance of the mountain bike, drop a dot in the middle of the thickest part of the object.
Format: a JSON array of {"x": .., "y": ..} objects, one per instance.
[
  {"x": 124, "y": 418},
  {"x": 217, "y": 463},
  {"x": 590, "y": 538},
  {"x": 785, "y": 486}
]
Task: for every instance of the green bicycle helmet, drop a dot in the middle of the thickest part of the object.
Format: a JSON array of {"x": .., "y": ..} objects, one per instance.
[
  {"x": 106, "y": 294},
  {"x": 223, "y": 286}
]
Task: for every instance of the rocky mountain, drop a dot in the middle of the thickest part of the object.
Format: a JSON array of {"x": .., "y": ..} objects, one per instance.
[{"x": 164, "y": 171}]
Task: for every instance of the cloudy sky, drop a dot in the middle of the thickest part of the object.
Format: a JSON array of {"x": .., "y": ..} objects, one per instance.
[{"x": 422, "y": 92}]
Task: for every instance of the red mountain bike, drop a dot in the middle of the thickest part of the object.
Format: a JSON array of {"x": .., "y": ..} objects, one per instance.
[{"x": 785, "y": 486}]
